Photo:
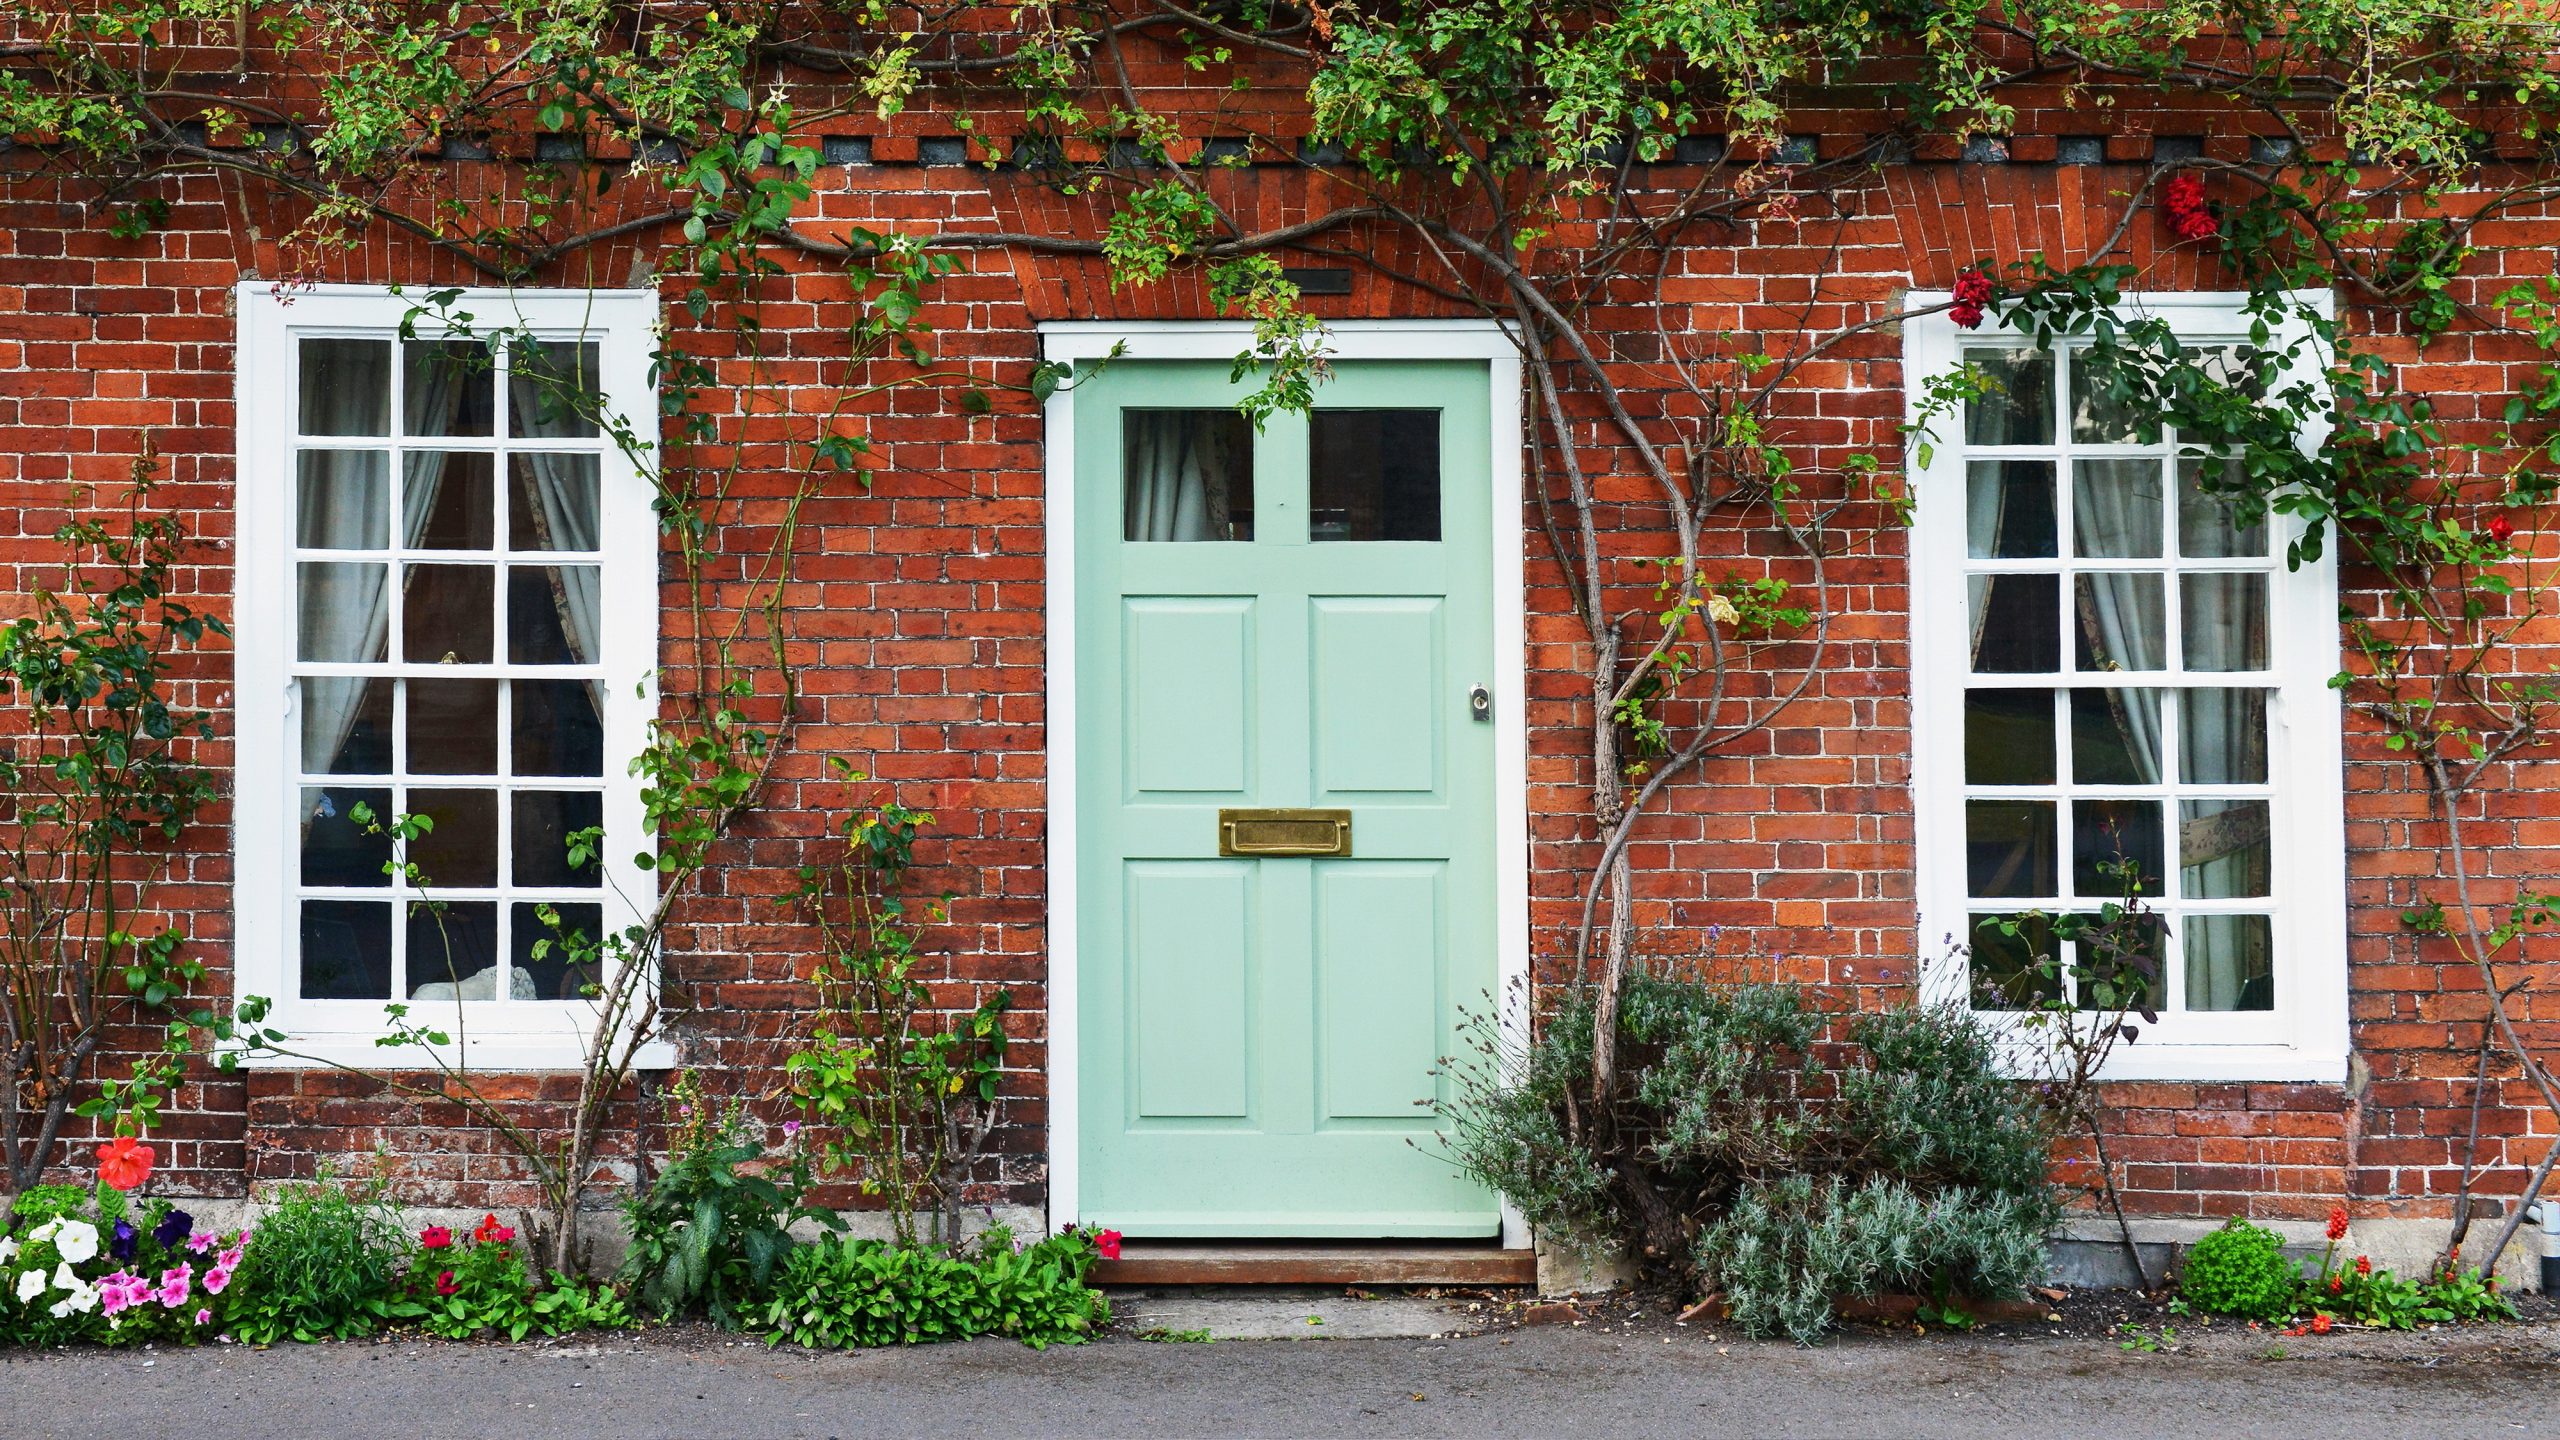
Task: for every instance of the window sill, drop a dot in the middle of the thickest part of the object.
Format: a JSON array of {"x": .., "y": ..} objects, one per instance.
[
  {"x": 2226, "y": 1064},
  {"x": 509, "y": 1053}
]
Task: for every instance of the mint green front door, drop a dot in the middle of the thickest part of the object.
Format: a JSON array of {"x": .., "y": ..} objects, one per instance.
[{"x": 1298, "y": 620}]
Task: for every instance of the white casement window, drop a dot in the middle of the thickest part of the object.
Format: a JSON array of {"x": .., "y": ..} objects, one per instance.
[
  {"x": 2106, "y": 668},
  {"x": 446, "y": 608}
]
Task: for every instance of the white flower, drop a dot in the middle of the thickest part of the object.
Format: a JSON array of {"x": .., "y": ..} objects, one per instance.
[
  {"x": 78, "y": 1242},
  {"x": 1720, "y": 609},
  {"x": 63, "y": 1279},
  {"x": 8, "y": 1250},
  {"x": 84, "y": 1300},
  {"x": 44, "y": 1232},
  {"x": 30, "y": 1285}
]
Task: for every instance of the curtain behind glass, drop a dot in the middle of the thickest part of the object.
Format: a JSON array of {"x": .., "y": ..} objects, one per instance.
[
  {"x": 1177, "y": 468},
  {"x": 565, "y": 523}
]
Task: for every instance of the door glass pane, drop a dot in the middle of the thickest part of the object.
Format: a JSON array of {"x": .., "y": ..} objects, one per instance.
[
  {"x": 557, "y": 957},
  {"x": 346, "y": 950},
  {"x": 444, "y": 617},
  {"x": 551, "y": 502},
  {"x": 341, "y": 611},
  {"x": 2223, "y": 738},
  {"x": 544, "y": 821},
  {"x": 2206, "y": 526},
  {"x": 448, "y": 501},
  {"x": 2225, "y": 622},
  {"x": 2226, "y": 849},
  {"x": 346, "y": 387},
  {"x": 2016, "y": 626},
  {"x": 2018, "y": 410},
  {"x": 2115, "y": 737},
  {"x": 2230, "y": 962},
  {"x": 553, "y": 390},
  {"x": 452, "y": 950},
  {"x": 343, "y": 500},
  {"x": 453, "y": 727},
  {"x": 449, "y": 388},
  {"x": 461, "y": 852},
  {"x": 1186, "y": 475},
  {"x": 2109, "y": 834},
  {"x": 2009, "y": 509},
  {"x": 553, "y": 614},
  {"x": 2008, "y": 737},
  {"x": 2009, "y": 847},
  {"x": 2117, "y": 512},
  {"x": 346, "y": 724},
  {"x": 1373, "y": 475},
  {"x": 555, "y": 728},
  {"x": 2120, "y": 622}
]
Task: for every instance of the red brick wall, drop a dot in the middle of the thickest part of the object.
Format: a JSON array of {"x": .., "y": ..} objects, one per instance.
[{"x": 917, "y": 616}]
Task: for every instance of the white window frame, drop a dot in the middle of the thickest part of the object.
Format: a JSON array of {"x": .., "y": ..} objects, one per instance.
[
  {"x": 273, "y": 319},
  {"x": 2305, "y": 1037}
]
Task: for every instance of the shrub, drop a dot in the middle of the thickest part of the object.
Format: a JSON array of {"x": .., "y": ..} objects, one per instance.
[
  {"x": 1747, "y": 1149},
  {"x": 709, "y": 1232},
  {"x": 323, "y": 1265},
  {"x": 842, "y": 1293},
  {"x": 2241, "y": 1270}
]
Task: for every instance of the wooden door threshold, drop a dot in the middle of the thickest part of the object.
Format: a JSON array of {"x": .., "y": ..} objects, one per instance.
[{"x": 1307, "y": 1262}]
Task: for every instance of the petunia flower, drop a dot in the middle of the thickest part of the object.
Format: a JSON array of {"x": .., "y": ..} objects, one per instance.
[
  {"x": 230, "y": 1259},
  {"x": 204, "y": 1317},
  {"x": 445, "y": 1285},
  {"x": 124, "y": 1240},
  {"x": 1106, "y": 1243},
  {"x": 198, "y": 1244},
  {"x": 173, "y": 1229},
  {"x": 30, "y": 1285},
  {"x": 8, "y": 1250},
  {"x": 76, "y": 1241},
  {"x": 216, "y": 1280},
  {"x": 176, "y": 1283},
  {"x": 435, "y": 1237}
]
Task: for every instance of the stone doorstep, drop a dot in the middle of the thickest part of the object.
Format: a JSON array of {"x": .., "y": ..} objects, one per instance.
[{"x": 1248, "y": 1262}]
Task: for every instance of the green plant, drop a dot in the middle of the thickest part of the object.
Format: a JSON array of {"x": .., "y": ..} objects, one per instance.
[
  {"x": 323, "y": 1264},
  {"x": 707, "y": 1232},
  {"x": 1161, "y": 1335},
  {"x": 2241, "y": 1270},
  {"x": 846, "y": 1293},
  {"x": 905, "y": 1096},
  {"x": 1786, "y": 1249}
]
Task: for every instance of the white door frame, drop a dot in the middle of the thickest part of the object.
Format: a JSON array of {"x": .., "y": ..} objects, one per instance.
[{"x": 1224, "y": 340}]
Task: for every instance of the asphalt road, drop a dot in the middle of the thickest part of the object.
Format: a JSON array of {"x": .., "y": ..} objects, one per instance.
[{"x": 1553, "y": 1381}]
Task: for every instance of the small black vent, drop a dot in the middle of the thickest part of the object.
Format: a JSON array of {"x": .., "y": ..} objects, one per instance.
[
  {"x": 2272, "y": 150},
  {"x": 2081, "y": 150},
  {"x": 1698, "y": 150},
  {"x": 845, "y": 149},
  {"x": 560, "y": 149},
  {"x": 2173, "y": 149},
  {"x": 1319, "y": 280},
  {"x": 942, "y": 150},
  {"x": 467, "y": 147},
  {"x": 1797, "y": 151},
  {"x": 1986, "y": 150}
]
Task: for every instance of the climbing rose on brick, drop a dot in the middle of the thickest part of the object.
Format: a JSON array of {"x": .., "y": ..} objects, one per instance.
[
  {"x": 2501, "y": 529},
  {"x": 1973, "y": 291},
  {"x": 2189, "y": 218}
]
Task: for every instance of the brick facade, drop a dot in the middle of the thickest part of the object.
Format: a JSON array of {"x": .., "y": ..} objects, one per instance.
[{"x": 917, "y": 614}]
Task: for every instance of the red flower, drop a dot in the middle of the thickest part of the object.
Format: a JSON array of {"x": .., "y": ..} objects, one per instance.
[
  {"x": 493, "y": 1233},
  {"x": 2189, "y": 218},
  {"x": 2337, "y": 1283},
  {"x": 2364, "y": 1264},
  {"x": 124, "y": 1163},
  {"x": 1106, "y": 1243},
  {"x": 2338, "y": 1222},
  {"x": 445, "y": 1285},
  {"x": 2320, "y": 1323},
  {"x": 2501, "y": 529},
  {"x": 1973, "y": 291},
  {"x": 435, "y": 1237}
]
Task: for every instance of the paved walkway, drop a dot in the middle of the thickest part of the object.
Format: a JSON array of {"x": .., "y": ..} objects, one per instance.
[{"x": 1534, "y": 1382}]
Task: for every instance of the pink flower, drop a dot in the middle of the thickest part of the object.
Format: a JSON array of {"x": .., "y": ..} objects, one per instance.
[
  {"x": 790, "y": 1128},
  {"x": 176, "y": 1283},
  {"x": 198, "y": 1244},
  {"x": 216, "y": 1280},
  {"x": 122, "y": 1291},
  {"x": 230, "y": 1259},
  {"x": 204, "y": 1317}
]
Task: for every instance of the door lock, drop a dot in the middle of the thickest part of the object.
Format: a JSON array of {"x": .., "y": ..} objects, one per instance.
[{"x": 1480, "y": 704}]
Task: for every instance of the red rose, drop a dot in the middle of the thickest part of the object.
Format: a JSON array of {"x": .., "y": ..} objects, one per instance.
[
  {"x": 1106, "y": 1243},
  {"x": 435, "y": 1237},
  {"x": 124, "y": 1163},
  {"x": 1973, "y": 292},
  {"x": 2338, "y": 1222},
  {"x": 445, "y": 1285},
  {"x": 2501, "y": 529},
  {"x": 2189, "y": 218}
]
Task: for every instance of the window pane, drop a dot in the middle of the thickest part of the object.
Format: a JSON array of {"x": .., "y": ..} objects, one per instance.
[
  {"x": 343, "y": 500},
  {"x": 553, "y": 614},
  {"x": 1186, "y": 475},
  {"x": 551, "y": 502},
  {"x": 339, "y": 611},
  {"x": 346, "y": 387},
  {"x": 346, "y": 950},
  {"x": 2008, "y": 737},
  {"x": 2121, "y": 622},
  {"x": 448, "y": 501},
  {"x": 2013, "y": 972},
  {"x": 2100, "y": 413},
  {"x": 2019, "y": 409},
  {"x": 461, "y": 852},
  {"x": 336, "y": 850},
  {"x": 2009, "y": 509},
  {"x": 2230, "y": 962},
  {"x": 2223, "y": 738},
  {"x": 2117, "y": 512},
  {"x": 2009, "y": 847},
  {"x": 2108, "y": 834},
  {"x": 544, "y": 821},
  {"x": 453, "y": 727},
  {"x": 1373, "y": 475},
  {"x": 2119, "y": 967},
  {"x": 2225, "y": 621},
  {"x": 2115, "y": 737},
  {"x": 2226, "y": 849},
  {"x": 556, "y": 729},
  {"x": 444, "y": 618},
  {"x": 2017, "y": 628},
  {"x": 557, "y": 972},
  {"x": 346, "y": 724},
  {"x": 452, "y": 949},
  {"x": 2206, "y": 527},
  {"x": 554, "y": 391},
  {"x": 448, "y": 388}
]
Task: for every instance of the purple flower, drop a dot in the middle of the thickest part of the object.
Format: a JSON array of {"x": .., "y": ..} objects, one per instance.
[
  {"x": 121, "y": 1244},
  {"x": 790, "y": 1128},
  {"x": 173, "y": 1229}
]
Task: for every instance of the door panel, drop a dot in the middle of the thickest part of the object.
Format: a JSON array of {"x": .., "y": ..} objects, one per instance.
[{"x": 1256, "y": 1031}]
